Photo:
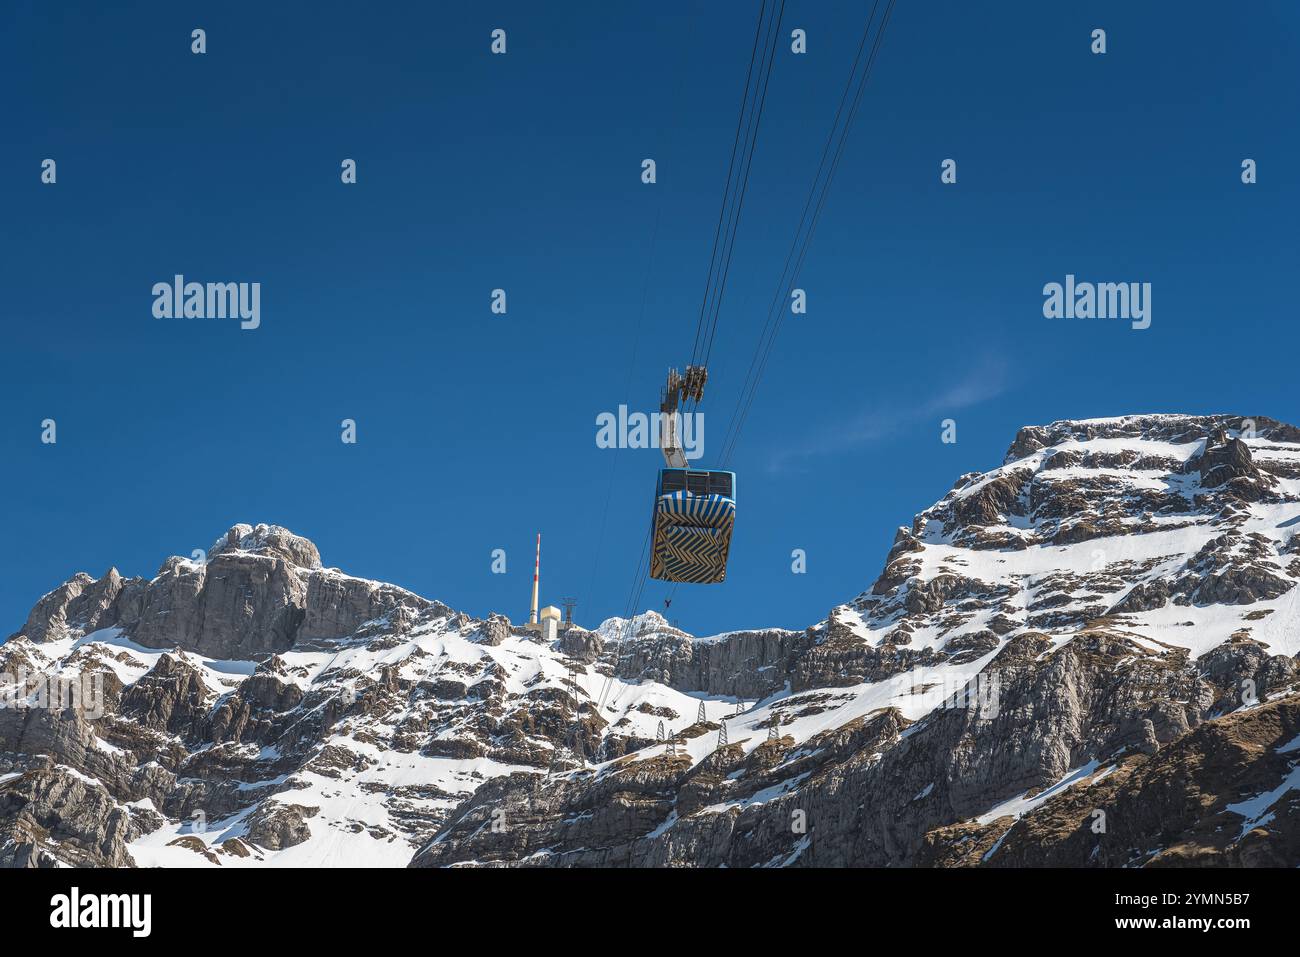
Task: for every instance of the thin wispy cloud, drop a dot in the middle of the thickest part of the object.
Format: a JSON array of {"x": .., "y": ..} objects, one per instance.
[{"x": 979, "y": 382}]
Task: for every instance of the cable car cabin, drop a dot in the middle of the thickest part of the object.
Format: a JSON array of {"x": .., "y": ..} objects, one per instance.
[{"x": 693, "y": 516}]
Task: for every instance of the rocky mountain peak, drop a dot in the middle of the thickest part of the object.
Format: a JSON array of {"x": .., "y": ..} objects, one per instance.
[
  {"x": 259, "y": 590},
  {"x": 270, "y": 540},
  {"x": 1170, "y": 428},
  {"x": 646, "y": 623}
]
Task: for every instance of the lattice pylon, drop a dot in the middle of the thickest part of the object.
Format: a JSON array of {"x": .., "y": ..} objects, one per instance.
[
  {"x": 574, "y": 671},
  {"x": 701, "y": 717},
  {"x": 722, "y": 734}
]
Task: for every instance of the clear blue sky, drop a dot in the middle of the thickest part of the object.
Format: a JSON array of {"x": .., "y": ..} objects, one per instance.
[{"x": 523, "y": 172}]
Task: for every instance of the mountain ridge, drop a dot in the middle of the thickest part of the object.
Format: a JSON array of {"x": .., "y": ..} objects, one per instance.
[{"x": 313, "y": 718}]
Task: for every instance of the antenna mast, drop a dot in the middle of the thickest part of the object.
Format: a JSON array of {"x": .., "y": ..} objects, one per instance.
[{"x": 537, "y": 570}]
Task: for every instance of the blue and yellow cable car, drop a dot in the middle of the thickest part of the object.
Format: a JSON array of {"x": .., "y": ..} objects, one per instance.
[{"x": 694, "y": 512}]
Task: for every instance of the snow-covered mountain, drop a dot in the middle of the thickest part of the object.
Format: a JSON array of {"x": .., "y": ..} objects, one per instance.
[
  {"x": 1084, "y": 656},
  {"x": 260, "y": 709}
]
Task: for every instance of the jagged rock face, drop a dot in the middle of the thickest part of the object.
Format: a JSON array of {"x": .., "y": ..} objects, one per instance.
[
  {"x": 44, "y": 808},
  {"x": 269, "y": 540},
  {"x": 78, "y": 606},
  {"x": 744, "y": 664},
  {"x": 232, "y": 606},
  {"x": 260, "y": 590},
  {"x": 1178, "y": 806},
  {"x": 1107, "y": 619},
  {"x": 276, "y": 826},
  {"x": 874, "y": 791},
  {"x": 1161, "y": 510},
  {"x": 348, "y": 749}
]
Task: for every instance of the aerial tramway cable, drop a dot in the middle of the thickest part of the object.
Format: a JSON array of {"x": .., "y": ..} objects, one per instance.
[
  {"x": 749, "y": 117},
  {"x": 744, "y": 143},
  {"x": 704, "y": 339},
  {"x": 724, "y": 239},
  {"x": 679, "y": 76},
  {"x": 818, "y": 191},
  {"x": 803, "y": 239}
]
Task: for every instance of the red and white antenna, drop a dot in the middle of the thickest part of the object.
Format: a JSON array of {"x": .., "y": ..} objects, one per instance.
[{"x": 537, "y": 570}]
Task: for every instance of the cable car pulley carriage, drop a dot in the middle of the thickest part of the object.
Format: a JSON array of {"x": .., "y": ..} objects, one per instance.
[{"x": 694, "y": 509}]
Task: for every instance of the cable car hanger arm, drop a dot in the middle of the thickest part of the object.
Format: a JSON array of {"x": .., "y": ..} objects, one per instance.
[{"x": 676, "y": 391}]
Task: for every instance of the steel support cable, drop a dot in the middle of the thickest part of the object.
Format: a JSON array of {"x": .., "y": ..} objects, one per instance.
[
  {"x": 752, "y": 128},
  {"x": 779, "y": 312},
  {"x": 731, "y": 167},
  {"x": 634, "y": 596},
  {"x": 776, "y": 314},
  {"x": 783, "y": 283},
  {"x": 747, "y": 120},
  {"x": 763, "y": 349},
  {"x": 756, "y": 123},
  {"x": 609, "y": 492},
  {"x": 636, "y": 340},
  {"x": 627, "y": 389}
]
